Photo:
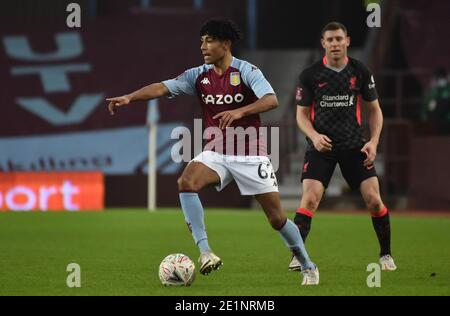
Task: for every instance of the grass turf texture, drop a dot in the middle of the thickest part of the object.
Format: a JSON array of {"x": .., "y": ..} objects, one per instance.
[{"x": 119, "y": 253}]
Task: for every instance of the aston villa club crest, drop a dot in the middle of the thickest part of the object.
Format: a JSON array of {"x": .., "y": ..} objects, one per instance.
[{"x": 235, "y": 79}]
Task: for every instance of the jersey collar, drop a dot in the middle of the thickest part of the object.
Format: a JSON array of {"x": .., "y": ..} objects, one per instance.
[
  {"x": 231, "y": 67},
  {"x": 325, "y": 63}
]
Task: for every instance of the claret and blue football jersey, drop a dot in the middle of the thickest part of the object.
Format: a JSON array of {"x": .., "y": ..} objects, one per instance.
[{"x": 240, "y": 85}]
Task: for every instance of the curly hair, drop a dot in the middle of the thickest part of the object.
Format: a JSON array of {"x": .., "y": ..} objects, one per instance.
[{"x": 222, "y": 29}]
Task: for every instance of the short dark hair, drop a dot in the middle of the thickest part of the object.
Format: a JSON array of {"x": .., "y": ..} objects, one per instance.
[
  {"x": 333, "y": 26},
  {"x": 222, "y": 29}
]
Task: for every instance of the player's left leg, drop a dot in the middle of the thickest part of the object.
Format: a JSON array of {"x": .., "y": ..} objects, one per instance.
[
  {"x": 199, "y": 173},
  {"x": 365, "y": 179},
  {"x": 255, "y": 176},
  {"x": 370, "y": 190},
  {"x": 270, "y": 203}
]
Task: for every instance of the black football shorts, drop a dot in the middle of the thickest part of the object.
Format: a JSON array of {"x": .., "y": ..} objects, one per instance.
[{"x": 320, "y": 166}]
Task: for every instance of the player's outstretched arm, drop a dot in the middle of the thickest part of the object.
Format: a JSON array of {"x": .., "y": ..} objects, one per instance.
[
  {"x": 152, "y": 91},
  {"x": 321, "y": 142},
  {"x": 265, "y": 103}
]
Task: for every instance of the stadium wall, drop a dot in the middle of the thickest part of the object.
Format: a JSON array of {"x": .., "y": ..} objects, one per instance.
[
  {"x": 429, "y": 173},
  {"x": 54, "y": 109}
]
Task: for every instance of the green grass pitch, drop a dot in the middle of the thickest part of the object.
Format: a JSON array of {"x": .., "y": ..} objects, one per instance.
[{"x": 119, "y": 253}]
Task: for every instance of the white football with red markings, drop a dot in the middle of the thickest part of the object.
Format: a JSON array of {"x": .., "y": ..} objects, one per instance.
[{"x": 177, "y": 270}]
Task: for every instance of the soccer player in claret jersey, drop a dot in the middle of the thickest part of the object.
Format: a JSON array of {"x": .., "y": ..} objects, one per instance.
[
  {"x": 232, "y": 93},
  {"x": 329, "y": 98}
]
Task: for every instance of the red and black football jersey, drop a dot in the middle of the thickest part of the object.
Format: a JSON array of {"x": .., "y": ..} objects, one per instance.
[{"x": 334, "y": 96}]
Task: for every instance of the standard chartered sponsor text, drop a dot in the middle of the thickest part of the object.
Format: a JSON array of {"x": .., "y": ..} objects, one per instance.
[{"x": 336, "y": 100}]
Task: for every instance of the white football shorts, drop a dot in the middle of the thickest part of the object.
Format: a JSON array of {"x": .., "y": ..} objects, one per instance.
[{"x": 253, "y": 174}]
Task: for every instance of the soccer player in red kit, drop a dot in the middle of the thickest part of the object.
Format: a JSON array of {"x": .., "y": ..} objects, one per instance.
[
  {"x": 329, "y": 98},
  {"x": 232, "y": 93}
]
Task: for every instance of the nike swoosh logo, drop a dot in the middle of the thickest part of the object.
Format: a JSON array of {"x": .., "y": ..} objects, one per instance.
[
  {"x": 322, "y": 84},
  {"x": 370, "y": 167}
]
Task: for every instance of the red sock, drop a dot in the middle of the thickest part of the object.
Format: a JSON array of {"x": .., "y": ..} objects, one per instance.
[
  {"x": 381, "y": 213},
  {"x": 304, "y": 211}
]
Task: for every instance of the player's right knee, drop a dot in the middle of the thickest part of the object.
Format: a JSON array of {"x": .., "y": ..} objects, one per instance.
[
  {"x": 374, "y": 203},
  {"x": 187, "y": 184}
]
